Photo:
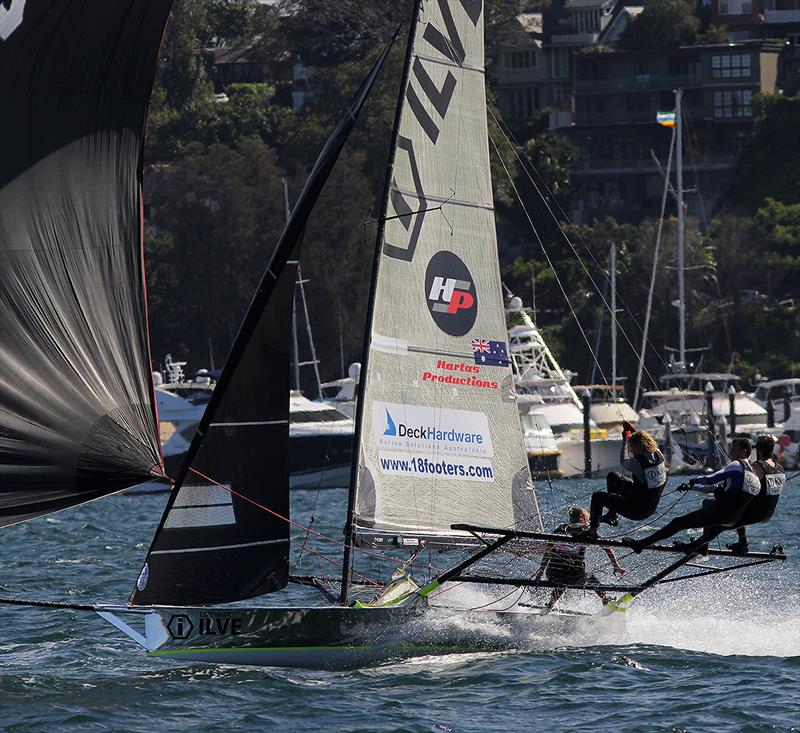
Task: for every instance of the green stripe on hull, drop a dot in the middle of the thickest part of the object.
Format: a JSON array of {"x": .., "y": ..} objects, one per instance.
[{"x": 397, "y": 647}]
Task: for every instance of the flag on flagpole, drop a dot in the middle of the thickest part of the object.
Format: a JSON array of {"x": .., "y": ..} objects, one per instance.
[{"x": 666, "y": 118}]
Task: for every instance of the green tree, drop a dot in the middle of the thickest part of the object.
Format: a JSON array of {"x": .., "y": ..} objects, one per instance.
[
  {"x": 769, "y": 165},
  {"x": 223, "y": 210},
  {"x": 662, "y": 24}
]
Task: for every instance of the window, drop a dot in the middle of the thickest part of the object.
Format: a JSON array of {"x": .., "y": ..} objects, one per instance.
[
  {"x": 586, "y": 21},
  {"x": 521, "y": 102},
  {"x": 735, "y": 7},
  {"x": 637, "y": 102},
  {"x": 733, "y": 103},
  {"x": 519, "y": 59},
  {"x": 731, "y": 66}
]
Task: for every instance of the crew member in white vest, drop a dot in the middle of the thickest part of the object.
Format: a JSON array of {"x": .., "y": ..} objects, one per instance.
[
  {"x": 772, "y": 478},
  {"x": 734, "y": 487},
  {"x": 636, "y": 497}
]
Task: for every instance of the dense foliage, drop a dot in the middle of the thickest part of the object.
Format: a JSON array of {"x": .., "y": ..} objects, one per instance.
[{"x": 218, "y": 206}]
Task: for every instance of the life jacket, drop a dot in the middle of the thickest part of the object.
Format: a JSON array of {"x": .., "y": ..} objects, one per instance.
[
  {"x": 654, "y": 470},
  {"x": 750, "y": 482},
  {"x": 763, "y": 506},
  {"x": 568, "y": 555},
  {"x": 735, "y": 499}
]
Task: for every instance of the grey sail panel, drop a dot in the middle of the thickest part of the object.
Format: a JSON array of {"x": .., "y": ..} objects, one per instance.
[
  {"x": 224, "y": 535},
  {"x": 77, "y": 415},
  {"x": 440, "y": 439}
]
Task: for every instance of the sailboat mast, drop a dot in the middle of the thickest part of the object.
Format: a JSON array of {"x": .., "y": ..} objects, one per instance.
[
  {"x": 295, "y": 349},
  {"x": 613, "y": 266},
  {"x": 349, "y": 534},
  {"x": 681, "y": 288}
]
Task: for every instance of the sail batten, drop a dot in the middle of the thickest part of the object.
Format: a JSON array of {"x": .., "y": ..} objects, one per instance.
[{"x": 439, "y": 436}]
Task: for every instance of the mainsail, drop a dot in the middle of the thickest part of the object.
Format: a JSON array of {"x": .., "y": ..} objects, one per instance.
[
  {"x": 440, "y": 441},
  {"x": 77, "y": 416},
  {"x": 224, "y": 535}
]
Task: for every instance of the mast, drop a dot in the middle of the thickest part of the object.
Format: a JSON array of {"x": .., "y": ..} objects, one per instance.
[
  {"x": 613, "y": 266},
  {"x": 295, "y": 349},
  {"x": 681, "y": 288},
  {"x": 653, "y": 270},
  {"x": 349, "y": 535}
]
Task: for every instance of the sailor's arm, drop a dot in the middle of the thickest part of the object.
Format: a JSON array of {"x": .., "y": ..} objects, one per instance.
[
  {"x": 618, "y": 569},
  {"x": 724, "y": 476},
  {"x": 545, "y": 561}
]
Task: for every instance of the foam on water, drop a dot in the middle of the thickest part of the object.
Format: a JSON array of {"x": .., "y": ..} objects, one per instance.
[{"x": 730, "y": 616}]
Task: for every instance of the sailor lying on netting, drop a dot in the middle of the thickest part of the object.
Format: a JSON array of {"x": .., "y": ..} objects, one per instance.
[
  {"x": 636, "y": 497},
  {"x": 565, "y": 562},
  {"x": 734, "y": 487}
]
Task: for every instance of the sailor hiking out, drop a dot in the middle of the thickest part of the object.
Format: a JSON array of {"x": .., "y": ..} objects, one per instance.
[
  {"x": 636, "y": 497},
  {"x": 772, "y": 479},
  {"x": 565, "y": 562},
  {"x": 734, "y": 487}
]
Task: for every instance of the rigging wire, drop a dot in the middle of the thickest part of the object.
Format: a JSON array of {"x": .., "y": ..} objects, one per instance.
[
  {"x": 379, "y": 556},
  {"x": 544, "y": 199},
  {"x": 514, "y": 148},
  {"x": 549, "y": 261}
]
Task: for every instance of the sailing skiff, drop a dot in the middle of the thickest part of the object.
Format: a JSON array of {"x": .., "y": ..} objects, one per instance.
[{"x": 440, "y": 462}]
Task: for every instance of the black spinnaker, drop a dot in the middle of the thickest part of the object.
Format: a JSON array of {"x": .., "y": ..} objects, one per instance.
[
  {"x": 77, "y": 415},
  {"x": 224, "y": 535}
]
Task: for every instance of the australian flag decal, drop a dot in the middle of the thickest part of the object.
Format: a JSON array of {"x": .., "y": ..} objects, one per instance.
[{"x": 490, "y": 353}]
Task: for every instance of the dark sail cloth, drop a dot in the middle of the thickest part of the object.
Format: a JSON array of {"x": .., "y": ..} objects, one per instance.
[{"x": 636, "y": 497}]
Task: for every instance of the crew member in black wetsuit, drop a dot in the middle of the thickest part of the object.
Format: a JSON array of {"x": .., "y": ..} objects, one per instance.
[
  {"x": 636, "y": 497},
  {"x": 565, "y": 562},
  {"x": 734, "y": 487},
  {"x": 762, "y": 507}
]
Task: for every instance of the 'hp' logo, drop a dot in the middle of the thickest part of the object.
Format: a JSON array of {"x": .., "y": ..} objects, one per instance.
[{"x": 450, "y": 294}]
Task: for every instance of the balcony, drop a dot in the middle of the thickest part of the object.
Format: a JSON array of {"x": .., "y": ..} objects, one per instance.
[
  {"x": 622, "y": 166},
  {"x": 587, "y": 38},
  {"x": 641, "y": 82},
  {"x": 777, "y": 17}
]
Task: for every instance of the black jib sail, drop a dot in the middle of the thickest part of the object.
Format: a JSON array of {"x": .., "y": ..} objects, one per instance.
[
  {"x": 77, "y": 417},
  {"x": 224, "y": 535}
]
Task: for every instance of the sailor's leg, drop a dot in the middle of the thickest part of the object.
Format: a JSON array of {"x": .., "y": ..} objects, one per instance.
[
  {"x": 592, "y": 580},
  {"x": 614, "y": 482},
  {"x": 701, "y": 543},
  {"x": 554, "y": 596},
  {"x": 599, "y": 500},
  {"x": 740, "y": 546},
  {"x": 707, "y": 515}
]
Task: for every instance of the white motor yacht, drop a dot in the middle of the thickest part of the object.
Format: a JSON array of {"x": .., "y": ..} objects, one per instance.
[
  {"x": 545, "y": 387},
  {"x": 320, "y": 434}
]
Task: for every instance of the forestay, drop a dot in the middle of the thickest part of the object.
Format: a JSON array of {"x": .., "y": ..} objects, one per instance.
[
  {"x": 440, "y": 439},
  {"x": 77, "y": 415},
  {"x": 224, "y": 535}
]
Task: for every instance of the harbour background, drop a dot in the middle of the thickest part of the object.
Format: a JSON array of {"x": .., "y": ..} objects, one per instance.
[{"x": 715, "y": 654}]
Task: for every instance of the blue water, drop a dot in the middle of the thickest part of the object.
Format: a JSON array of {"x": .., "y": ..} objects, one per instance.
[{"x": 717, "y": 654}]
